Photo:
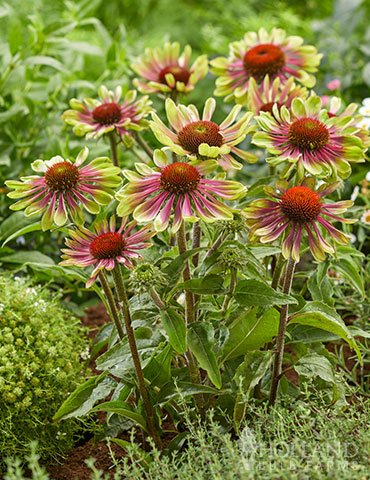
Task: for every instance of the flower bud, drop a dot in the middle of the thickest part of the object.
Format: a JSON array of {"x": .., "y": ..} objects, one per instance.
[
  {"x": 233, "y": 257},
  {"x": 146, "y": 276}
]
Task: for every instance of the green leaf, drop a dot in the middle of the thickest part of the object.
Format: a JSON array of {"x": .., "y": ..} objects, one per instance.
[
  {"x": 253, "y": 368},
  {"x": 314, "y": 365},
  {"x": 320, "y": 315},
  {"x": 46, "y": 61},
  {"x": 81, "y": 401},
  {"x": 249, "y": 332},
  {"x": 14, "y": 34},
  {"x": 262, "y": 251},
  {"x": 176, "y": 267},
  {"x": 118, "y": 359},
  {"x": 307, "y": 334},
  {"x": 32, "y": 257},
  {"x": 16, "y": 221},
  {"x": 175, "y": 327},
  {"x": 208, "y": 285},
  {"x": 200, "y": 340},
  {"x": 158, "y": 370},
  {"x": 350, "y": 271},
  {"x": 124, "y": 409},
  {"x": 30, "y": 228},
  {"x": 253, "y": 293},
  {"x": 185, "y": 389},
  {"x": 101, "y": 339}
]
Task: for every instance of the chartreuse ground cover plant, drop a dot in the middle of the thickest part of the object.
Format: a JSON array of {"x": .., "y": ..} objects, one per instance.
[
  {"x": 208, "y": 265},
  {"x": 41, "y": 358}
]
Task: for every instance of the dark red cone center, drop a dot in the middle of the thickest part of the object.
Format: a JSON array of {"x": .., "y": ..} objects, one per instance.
[
  {"x": 308, "y": 133},
  {"x": 107, "y": 113},
  {"x": 179, "y": 178},
  {"x": 62, "y": 176},
  {"x": 301, "y": 204},
  {"x": 264, "y": 59},
  {"x": 180, "y": 74},
  {"x": 196, "y": 133},
  {"x": 107, "y": 245}
]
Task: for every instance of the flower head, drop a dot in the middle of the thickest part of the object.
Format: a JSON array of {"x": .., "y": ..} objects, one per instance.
[
  {"x": 63, "y": 186},
  {"x": 201, "y": 138},
  {"x": 105, "y": 247},
  {"x": 321, "y": 144},
  {"x": 145, "y": 277},
  {"x": 95, "y": 118},
  {"x": 179, "y": 188},
  {"x": 166, "y": 70},
  {"x": 260, "y": 54},
  {"x": 297, "y": 210},
  {"x": 233, "y": 258},
  {"x": 233, "y": 226},
  {"x": 262, "y": 98}
]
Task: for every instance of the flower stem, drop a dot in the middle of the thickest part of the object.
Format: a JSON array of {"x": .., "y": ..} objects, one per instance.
[
  {"x": 144, "y": 146},
  {"x": 157, "y": 299},
  {"x": 181, "y": 242},
  {"x": 122, "y": 297},
  {"x": 197, "y": 233},
  {"x": 113, "y": 147},
  {"x": 277, "y": 271},
  {"x": 189, "y": 311},
  {"x": 216, "y": 245},
  {"x": 112, "y": 304},
  {"x": 229, "y": 296},
  {"x": 276, "y": 375}
]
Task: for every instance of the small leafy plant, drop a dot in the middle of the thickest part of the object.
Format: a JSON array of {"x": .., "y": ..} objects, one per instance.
[{"x": 40, "y": 361}]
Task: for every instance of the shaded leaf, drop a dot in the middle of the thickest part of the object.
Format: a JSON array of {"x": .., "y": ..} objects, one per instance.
[
  {"x": 174, "y": 325},
  {"x": 201, "y": 340},
  {"x": 81, "y": 401},
  {"x": 253, "y": 293}
]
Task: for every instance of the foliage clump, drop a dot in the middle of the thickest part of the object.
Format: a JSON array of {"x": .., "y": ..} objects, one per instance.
[{"x": 40, "y": 353}]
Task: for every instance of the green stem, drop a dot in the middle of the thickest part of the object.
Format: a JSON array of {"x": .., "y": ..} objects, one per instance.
[
  {"x": 197, "y": 233},
  {"x": 113, "y": 312},
  {"x": 216, "y": 245},
  {"x": 229, "y": 296},
  {"x": 189, "y": 300},
  {"x": 189, "y": 311},
  {"x": 144, "y": 146},
  {"x": 272, "y": 170},
  {"x": 113, "y": 147},
  {"x": 157, "y": 299},
  {"x": 277, "y": 272},
  {"x": 122, "y": 297},
  {"x": 278, "y": 362}
]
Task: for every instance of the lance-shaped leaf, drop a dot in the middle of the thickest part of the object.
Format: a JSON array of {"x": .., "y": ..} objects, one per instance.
[
  {"x": 253, "y": 369},
  {"x": 320, "y": 315},
  {"x": 81, "y": 401},
  {"x": 253, "y": 293},
  {"x": 200, "y": 341},
  {"x": 314, "y": 365},
  {"x": 208, "y": 285},
  {"x": 249, "y": 332},
  {"x": 185, "y": 389},
  {"x": 174, "y": 325},
  {"x": 124, "y": 409}
]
